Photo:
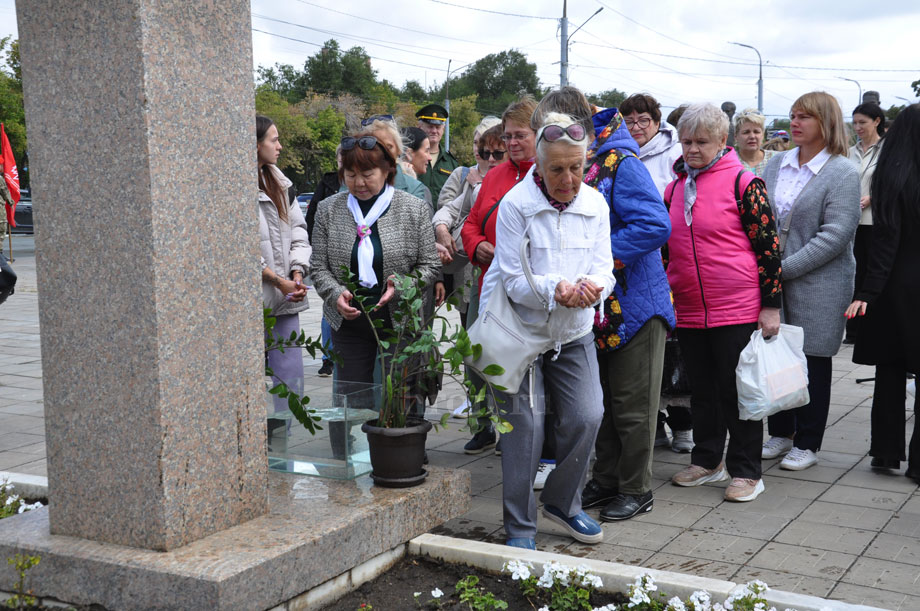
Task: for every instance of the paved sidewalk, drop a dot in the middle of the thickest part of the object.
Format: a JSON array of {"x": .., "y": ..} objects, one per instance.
[{"x": 837, "y": 530}]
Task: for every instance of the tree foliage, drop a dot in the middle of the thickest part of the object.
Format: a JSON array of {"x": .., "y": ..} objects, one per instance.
[
  {"x": 497, "y": 80},
  {"x": 612, "y": 98},
  {"x": 916, "y": 86},
  {"x": 12, "y": 110}
]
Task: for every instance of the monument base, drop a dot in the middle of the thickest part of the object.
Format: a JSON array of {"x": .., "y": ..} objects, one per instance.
[{"x": 315, "y": 530}]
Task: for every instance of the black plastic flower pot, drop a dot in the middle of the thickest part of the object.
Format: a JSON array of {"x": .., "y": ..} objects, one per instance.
[{"x": 397, "y": 454}]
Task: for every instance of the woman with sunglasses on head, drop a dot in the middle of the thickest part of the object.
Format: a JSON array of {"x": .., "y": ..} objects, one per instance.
[
  {"x": 569, "y": 256},
  {"x": 724, "y": 271},
  {"x": 815, "y": 192},
  {"x": 384, "y": 128},
  {"x": 374, "y": 231},
  {"x": 285, "y": 251}
]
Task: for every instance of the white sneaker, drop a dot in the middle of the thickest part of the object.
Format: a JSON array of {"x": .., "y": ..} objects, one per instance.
[
  {"x": 682, "y": 441},
  {"x": 775, "y": 447},
  {"x": 463, "y": 411},
  {"x": 797, "y": 459},
  {"x": 543, "y": 472}
]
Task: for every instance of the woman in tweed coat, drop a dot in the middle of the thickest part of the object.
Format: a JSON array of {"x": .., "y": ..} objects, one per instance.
[
  {"x": 391, "y": 226},
  {"x": 815, "y": 191}
]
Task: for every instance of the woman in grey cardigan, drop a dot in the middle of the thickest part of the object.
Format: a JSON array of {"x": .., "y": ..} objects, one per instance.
[{"x": 815, "y": 193}]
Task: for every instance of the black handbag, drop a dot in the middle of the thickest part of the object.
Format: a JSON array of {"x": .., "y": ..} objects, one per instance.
[
  {"x": 674, "y": 378},
  {"x": 7, "y": 279}
]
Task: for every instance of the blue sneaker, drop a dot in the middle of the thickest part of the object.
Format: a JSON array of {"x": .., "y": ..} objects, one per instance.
[
  {"x": 581, "y": 527},
  {"x": 521, "y": 542}
]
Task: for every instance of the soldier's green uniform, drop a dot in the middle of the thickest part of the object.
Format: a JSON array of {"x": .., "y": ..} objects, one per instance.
[{"x": 440, "y": 168}]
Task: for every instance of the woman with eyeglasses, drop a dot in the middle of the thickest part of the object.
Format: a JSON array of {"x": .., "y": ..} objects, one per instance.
[
  {"x": 375, "y": 232},
  {"x": 749, "y": 130},
  {"x": 724, "y": 272},
  {"x": 569, "y": 255},
  {"x": 659, "y": 146},
  {"x": 285, "y": 251}
]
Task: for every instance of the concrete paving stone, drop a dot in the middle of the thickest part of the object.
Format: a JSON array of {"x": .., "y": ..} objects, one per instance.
[
  {"x": 452, "y": 459},
  {"x": 547, "y": 541},
  {"x": 36, "y": 467},
  {"x": 913, "y": 504},
  {"x": 864, "y": 497},
  {"x": 802, "y": 560},
  {"x": 34, "y": 448},
  {"x": 793, "y": 488},
  {"x": 24, "y": 409},
  {"x": 24, "y": 369},
  {"x": 495, "y": 492},
  {"x": 826, "y": 536},
  {"x": 710, "y": 495},
  {"x": 714, "y": 546},
  {"x": 843, "y": 446},
  {"x": 666, "y": 470},
  {"x": 862, "y": 476},
  {"x": 10, "y": 460},
  {"x": 487, "y": 477},
  {"x": 610, "y": 553},
  {"x": 22, "y": 394},
  {"x": 791, "y": 582},
  {"x": 897, "y": 548},
  {"x": 693, "y": 566},
  {"x": 770, "y": 503},
  {"x": 863, "y": 518},
  {"x": 742, "y": 523},
  {"x": 839, "y": 459},
  {"x": 485, "y": 510},
  {"x": 885, "y": 575},
  {"x": 463, "y": 528},
  {"x": 16, "y": 441},
  {"x": 873, "y": 597},
  {"x": 671, "y": 513},
  {"x": 819, "y": 473},
  {"x": 666, "y": 455},
  {"x": 633, "y": 533}
]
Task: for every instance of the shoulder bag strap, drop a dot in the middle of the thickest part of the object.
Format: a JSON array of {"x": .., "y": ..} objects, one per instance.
[{"x": 525, "y": 265}]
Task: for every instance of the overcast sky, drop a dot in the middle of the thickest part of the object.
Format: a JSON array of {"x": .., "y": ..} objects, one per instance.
[{"x": 678, "y": 51}]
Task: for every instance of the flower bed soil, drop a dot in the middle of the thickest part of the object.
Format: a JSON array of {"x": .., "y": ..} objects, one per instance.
[{"x": 395, "y": 589}]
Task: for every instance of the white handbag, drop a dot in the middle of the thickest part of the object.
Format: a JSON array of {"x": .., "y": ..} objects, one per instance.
[{"x": 506, "y": 340}]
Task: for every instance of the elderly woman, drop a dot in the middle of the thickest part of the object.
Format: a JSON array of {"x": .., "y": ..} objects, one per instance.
[
  {"x": 374, "y": 231},
  {"x": 724, "y": 271},
  {"x": 569, "y": 255},
  {"x": 658, "y": 143},
  {"x": 816, "y": 197},
  {"x": 386, "y": 131},
  {"x": 285, "y": 249},
  {"x": 749, "y": 130}
]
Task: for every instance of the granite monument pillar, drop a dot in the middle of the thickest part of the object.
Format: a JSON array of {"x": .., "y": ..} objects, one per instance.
[{"x": 142, "y": 147}]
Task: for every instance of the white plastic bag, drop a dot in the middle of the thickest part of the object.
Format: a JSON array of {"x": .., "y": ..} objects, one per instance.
[{"x": 772, "y": 375}]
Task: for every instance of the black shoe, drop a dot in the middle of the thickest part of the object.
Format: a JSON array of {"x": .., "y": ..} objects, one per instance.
[
  {"x": 849, "y": 341},
  {"x": 481, "y": 441},
  {"x": 625, "y": 506},
  {"x": 326, "y": 370},
  {"x": 885, "y": 463},
  {"x": 594, "y": 495}
]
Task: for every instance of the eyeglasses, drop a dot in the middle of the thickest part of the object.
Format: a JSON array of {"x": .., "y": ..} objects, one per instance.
[
  {"x": 497, "y": 155},
  {"x": 365, "y": 142},
  {"x": 551, "y": 133},
  {"x": 369, "y": 120},
  {"x": 518, "y": 136},
  {"x": 642, "y": 123}
]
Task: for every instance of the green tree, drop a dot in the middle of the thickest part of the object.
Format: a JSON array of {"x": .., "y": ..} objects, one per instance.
[
  {"x": 893, "y": 111},
  {"x": 612, "y": 98},
  {"x": 497, "y": 79},
  {"x": 916, "y": 86},
  {"x": 463, "y": 120},
  {"x": 412, "y": 91},
  {"x": 12, "y": 109}
]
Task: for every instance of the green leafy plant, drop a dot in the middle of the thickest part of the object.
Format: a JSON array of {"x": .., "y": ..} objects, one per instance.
[
  {"x": 22, "y": 598},
  {"x": 298, "y": 404},
  {"x": 475, "y": 597},
  {"x": 11, "y": 503},
  {"x": 565, "y": 588}
]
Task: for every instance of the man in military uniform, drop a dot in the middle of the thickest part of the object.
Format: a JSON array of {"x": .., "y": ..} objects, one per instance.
[{"x": 431, "y": 120}]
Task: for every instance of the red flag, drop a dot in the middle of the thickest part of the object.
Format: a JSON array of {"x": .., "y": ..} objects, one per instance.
[{"x": 10, "y": 175}]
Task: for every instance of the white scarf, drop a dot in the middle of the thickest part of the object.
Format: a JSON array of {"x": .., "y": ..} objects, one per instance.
[{"x": 366, "y": 276}]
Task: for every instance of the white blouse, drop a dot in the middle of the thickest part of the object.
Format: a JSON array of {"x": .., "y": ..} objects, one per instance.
[{"x": 792, "y": 178}]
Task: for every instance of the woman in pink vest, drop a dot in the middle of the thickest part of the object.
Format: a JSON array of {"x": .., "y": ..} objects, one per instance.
[{"x": 724, "y": 272}]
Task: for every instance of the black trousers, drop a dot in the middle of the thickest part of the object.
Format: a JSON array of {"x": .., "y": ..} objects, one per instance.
[
  {"x": 861, "y": 246},
  {"x": 807, "y": 423},
  {"x": 711, "y": 356},
  {"x": 888, "y": 416}
]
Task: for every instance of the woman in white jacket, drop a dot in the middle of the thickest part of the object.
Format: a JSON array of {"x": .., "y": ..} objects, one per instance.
[
  {"x": 285, "y": 251},
  {"x": 572, "y": 264}
]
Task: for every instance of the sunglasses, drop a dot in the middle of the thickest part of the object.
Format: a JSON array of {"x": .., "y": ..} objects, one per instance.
[
  {"x": 364, "y": 142},
  {"x": 369, "y": 120},
  {"x": 497, "y": 155},
  {"x": 551, "y": 133}
]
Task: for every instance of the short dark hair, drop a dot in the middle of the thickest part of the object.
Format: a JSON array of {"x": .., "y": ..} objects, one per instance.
[
  {"x": 358, "y": 159},
  {"x": 492, "y": 137},
  {"x": 641, "y": 102},
  {"x": 413, "y": 137},
  {"x": 873, "y": 111}
]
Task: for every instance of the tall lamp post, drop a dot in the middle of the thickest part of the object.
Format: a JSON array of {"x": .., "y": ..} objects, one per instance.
[
  {"x": 843, "y": 78},
  {"x": 759, "y": 75},
  {"x": 566, "y": 37},
  {"x": 447, "y": 102}
]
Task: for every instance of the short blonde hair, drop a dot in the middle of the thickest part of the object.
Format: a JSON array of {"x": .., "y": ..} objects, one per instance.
[
  {"x": 704, "y": 118},
  {"x": 750, "y": 115},
  {"x": 520, "y": 111},
  {"x": 389, "y": 129},
  {"x": 824, "y": 107}
]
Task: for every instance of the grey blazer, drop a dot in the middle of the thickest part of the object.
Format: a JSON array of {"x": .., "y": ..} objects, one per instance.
[
  {"x": 406, "y": 236},
  {"x": 818, "y": 263}
]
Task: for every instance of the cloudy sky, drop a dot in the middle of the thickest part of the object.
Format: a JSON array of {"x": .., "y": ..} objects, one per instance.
[{"x": 678, "y": 51}]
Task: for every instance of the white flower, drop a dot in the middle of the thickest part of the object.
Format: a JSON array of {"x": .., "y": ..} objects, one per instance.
[
  {"x": 437, "y": 593},
  {"x": 638, "y": 597},
  {"x": 417, "y": 594},
  {"x": 592, "y": 580},
  {"x": 518, "y": 570},
  {"x": 701, "y": 600},
  {"x": 543, "y": 608},
  {"x": 546, "y": 580},
  {"x": 676, "y": 604},
  {"x": 610, "y": 607}
]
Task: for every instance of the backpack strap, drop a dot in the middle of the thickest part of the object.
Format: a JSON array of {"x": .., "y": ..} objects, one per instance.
[
  {"x": 673, "y": 185},
  {"x": 489, "y": 213},
  {"x": 463, "y": 174},
  {"x": 738, "y": 188}
]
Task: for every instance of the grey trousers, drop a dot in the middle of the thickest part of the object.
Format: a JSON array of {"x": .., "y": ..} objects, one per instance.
[
  {"x": 631, "y": 381},
  {"x": 573, "y": 384}
]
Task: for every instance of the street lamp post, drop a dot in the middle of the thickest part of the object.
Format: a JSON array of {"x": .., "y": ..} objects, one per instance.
[
  {"x": 843, "y": 78},
  {"x": 566, "y": 37},
  {"x": 447, "y": 102},
  {"x": 759, "y": 75}
]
